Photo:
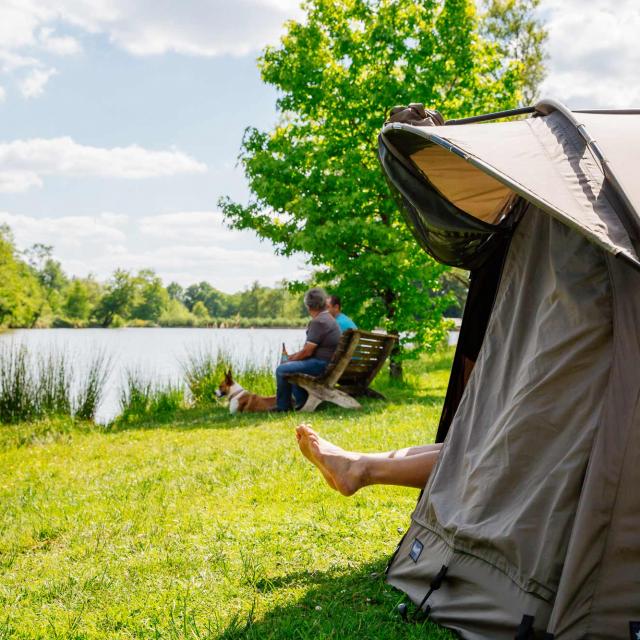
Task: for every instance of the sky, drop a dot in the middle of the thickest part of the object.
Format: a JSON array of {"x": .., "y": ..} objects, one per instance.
[{"x": 121, "y": 123}]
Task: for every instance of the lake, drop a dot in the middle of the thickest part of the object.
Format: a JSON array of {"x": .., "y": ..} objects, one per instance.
[{"x": 157, "y": 354}]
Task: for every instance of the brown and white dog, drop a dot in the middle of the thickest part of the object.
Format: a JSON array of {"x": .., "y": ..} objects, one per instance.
[{"x": 241, "y": 400}]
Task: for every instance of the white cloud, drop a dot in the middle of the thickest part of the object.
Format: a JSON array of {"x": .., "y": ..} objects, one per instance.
[
  {"x": 18, "y": 181},
  {"x": 24, "y": 162},
  {"x": 31, "y": 28},
  {"x": 197, "y": 27},
  {"x": 33, "y": 84},
  {"x": 593, "y": 52},
  {"x": 187, "y": 227},
  {"x": 10, "y": 61},
  {"x": 3, "y": 94},
  {"x": 58, "y": 45},
  {"x": 19, "y": 20},
  {"x": 66, "y": 232}
]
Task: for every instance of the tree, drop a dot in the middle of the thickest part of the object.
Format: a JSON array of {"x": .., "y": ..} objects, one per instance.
[
  {"x": 21, "y": 295},
  {"x": 316, "y": 184},
  {"x": 175, "y": 291},
  {"x": 117, "y": 299},
  {"x": 77, "y": 305},
  {"x": 200, "y": 311},
  {"x": 151, "y": 298},
  {"x": 212, "y": 299},
  {"x": 514, "y": 26},
  {"x": 49, "y": 273}
]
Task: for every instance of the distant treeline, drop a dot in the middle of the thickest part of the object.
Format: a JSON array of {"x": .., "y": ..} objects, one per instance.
[{"x": 36, "y": 292}]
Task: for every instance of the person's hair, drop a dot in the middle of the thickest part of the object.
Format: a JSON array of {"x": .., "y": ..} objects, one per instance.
[
  {"x": 335, "y": 301},
  {"x": 315, "y": 299}
]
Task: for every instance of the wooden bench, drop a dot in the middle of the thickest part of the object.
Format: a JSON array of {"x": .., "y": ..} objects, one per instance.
[{"x": 357, "y": 360}]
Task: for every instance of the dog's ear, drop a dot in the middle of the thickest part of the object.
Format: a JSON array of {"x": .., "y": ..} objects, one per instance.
[{"x": 227, "y": 376}]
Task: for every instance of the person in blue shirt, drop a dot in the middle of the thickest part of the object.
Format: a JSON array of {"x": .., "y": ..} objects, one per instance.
[{"x": 334, "y": 306}]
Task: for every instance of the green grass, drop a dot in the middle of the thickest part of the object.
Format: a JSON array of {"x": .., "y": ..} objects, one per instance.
[{"x": 210, "y": 526}]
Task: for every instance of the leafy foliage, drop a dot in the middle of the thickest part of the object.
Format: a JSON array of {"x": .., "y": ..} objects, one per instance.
[
  {"x": 21, "y": 296},
  {"x": 517, "y": 30},
  {"x": 316, "y": 185},
  {"x": 35, "y": 291}
]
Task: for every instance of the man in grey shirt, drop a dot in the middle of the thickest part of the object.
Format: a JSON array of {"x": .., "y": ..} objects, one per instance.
[{"x": 323, "y": 335}]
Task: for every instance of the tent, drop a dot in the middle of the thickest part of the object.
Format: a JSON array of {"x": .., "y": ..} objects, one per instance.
[{"x": 529, "y": 526}]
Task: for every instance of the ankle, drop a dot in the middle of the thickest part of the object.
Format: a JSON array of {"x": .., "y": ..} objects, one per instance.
[{"x": 362, "y": 471}]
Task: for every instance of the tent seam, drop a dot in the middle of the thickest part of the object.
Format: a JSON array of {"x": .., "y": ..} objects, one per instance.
[{"x": 454, "y": 548}]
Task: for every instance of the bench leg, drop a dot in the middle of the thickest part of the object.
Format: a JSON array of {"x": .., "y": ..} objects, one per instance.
[
  {"x": 318, "y": 393},
  {"x": 312, "y": 403}
]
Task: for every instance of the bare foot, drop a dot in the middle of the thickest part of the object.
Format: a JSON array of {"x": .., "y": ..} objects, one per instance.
[{"x": 343, "y": 470}]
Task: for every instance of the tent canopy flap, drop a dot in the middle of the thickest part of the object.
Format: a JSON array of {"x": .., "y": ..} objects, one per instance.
[{"x": 480, "y": 167}]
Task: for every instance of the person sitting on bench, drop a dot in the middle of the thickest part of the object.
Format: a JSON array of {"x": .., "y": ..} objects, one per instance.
[
  {"x": 334, "y": 306},
  {"x": 322, "y": 339}
]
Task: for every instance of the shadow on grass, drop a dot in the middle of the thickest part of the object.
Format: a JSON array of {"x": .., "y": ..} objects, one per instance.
[
  {"x": 218, "y": 417},
  {"x": 336, "y": 604},
  {"x": 211, "y": 417}
]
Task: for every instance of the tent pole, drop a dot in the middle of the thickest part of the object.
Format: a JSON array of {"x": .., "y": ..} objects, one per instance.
[{"x": 492, "y": 116}]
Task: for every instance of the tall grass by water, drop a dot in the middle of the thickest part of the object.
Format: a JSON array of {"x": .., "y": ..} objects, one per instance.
[
  {"x": 204, "y": 370},
  {"x": 35, "y": 386},
  {"x": 142, "y": 399}
]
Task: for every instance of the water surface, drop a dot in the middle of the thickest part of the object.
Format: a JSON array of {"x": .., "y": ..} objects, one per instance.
[{"x": 157, "y": 354}]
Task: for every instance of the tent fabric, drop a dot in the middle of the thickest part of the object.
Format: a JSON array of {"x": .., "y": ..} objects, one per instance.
[
  {"x": 618, "y": 136},
  {"x": 534, "y": 507},
  {"x": 599, "y": 595},
  {"x": 464, "y": 185},
  {"x": 546, "y": 161},
  {"x": 523, "y": 461}
]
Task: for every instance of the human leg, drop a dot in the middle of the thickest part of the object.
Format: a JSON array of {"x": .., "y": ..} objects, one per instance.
[
  {"x": 312, "y": 367},
  {"x": 348, "y": 471},
  {"x": 284, "y": 389}
]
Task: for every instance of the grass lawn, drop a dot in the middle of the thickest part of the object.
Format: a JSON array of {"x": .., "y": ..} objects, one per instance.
[{"x": 211, "y": 526}]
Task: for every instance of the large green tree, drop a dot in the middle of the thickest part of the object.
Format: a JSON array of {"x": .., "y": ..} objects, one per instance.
[{"x": 316, "y": 185}]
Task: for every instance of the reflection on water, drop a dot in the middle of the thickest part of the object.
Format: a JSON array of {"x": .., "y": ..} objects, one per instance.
[{"x": 157, "y": 354}]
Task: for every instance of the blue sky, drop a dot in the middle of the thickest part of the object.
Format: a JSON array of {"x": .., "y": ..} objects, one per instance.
[{"x": 120, "y": 123}]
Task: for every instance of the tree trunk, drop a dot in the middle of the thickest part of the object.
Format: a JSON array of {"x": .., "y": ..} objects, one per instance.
[{"x": 395, "y": 363}]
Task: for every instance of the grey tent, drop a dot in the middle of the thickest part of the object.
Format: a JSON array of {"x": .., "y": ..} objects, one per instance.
[{"x": 529, "y": 526}]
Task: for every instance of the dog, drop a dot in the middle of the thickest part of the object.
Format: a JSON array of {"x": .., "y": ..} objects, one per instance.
[{"x": 241, "y": 400}]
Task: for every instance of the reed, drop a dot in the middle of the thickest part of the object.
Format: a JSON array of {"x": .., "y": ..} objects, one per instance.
[
  {"x": 52, "y": 383},
  {"x": 91, "y": 390},
  {"x": 45, "y": 385},
  {"x": 17, "y": 392},
  {"x": 204, "y": 371},
  {"x": 143, "y": 400}
]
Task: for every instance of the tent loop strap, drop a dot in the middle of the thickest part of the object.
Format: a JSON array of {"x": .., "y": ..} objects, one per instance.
[
  {"x": 525, "y": 628},
  {"x": 435, "y": 584}
]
